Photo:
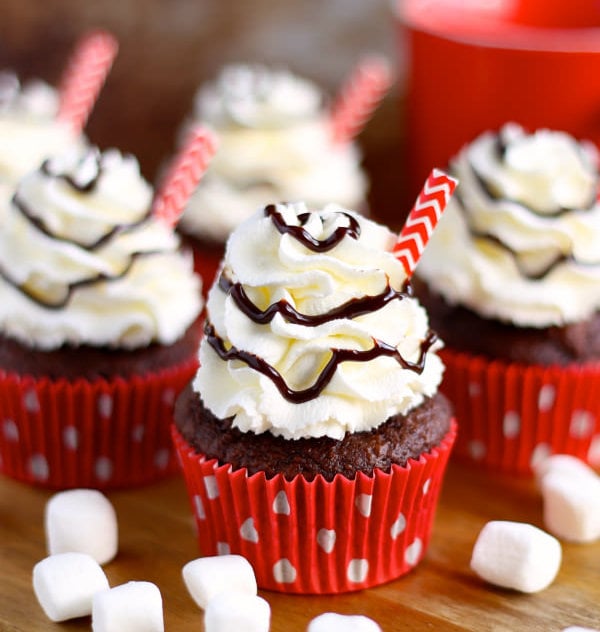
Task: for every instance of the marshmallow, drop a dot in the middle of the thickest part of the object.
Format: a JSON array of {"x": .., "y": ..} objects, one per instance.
[
  {"x": 208, "y": 576},
  {"x": 576, "y": 628},
  {"x": 331, "y": 622},
  {"x": 82, "y": 521},
  {"x": 564, "y": 463},
  {"x": 130, "y": 607},
  {"x": 234, "y": 611},
  {"x": 572, "y": 506},
  {"x": 516, "y": 555},
  {"x": 64, "y": 584}
]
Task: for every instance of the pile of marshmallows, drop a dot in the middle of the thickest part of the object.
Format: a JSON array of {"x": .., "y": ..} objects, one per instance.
[{"x": 82, "y": 534}]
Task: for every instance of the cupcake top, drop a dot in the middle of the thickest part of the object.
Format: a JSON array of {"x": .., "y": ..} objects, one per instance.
[
  {"x": 518, "y": 241},
  {"x": 83, "y": 261},
  {"x": 29, "y": 130},
  {"x": 312, "y": 329},
  {"x": 275, "y": 143}
]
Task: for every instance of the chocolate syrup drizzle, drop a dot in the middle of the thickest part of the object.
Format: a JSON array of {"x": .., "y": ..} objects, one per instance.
[
  {"x": 351, "y": 309},
  {"x": 305, "y": 238},
  {"x": 500, "y": 148},
  {"x": 338, "y": 356},
  {"x": 33, "y": 218}
]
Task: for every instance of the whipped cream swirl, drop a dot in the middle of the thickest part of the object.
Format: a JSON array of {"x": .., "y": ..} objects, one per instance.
[
  {"x": 29, "y": 131},
  {"x": 82, "y": 261},
  {"x": 312, "y": 329},
  {"x": 519, "y": 239},
  {"x": 274, "y": 144}
]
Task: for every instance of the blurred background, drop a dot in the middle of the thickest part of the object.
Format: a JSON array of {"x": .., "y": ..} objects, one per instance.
[{"x": 169, "y": 47}]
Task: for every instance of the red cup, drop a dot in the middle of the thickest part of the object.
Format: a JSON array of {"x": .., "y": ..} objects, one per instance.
[{"x": 473, "y": 67}]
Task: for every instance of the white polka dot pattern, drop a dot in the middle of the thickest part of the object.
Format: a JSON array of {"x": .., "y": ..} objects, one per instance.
[
  {"x": 105, "y": 405},
  {"x": 248, "y": 530},
  {"x": 326, "y": 539},
  {"x": 10, "y": 430},
  {"x": 357, "y": 570},
  {"x": 546, "y": 397},
  {"x": 398, "y": 526},
  {"x": 31, "y": 402},
  {"x": 71, "y": 437},
  {"x": 281, "y": 504},
  {"x": 38, "y": 465},
  {"x": 582, "y": 424},
  {"x": 212, "y": 489},
  {"x": 284, "y": 572},
  {"x": 103, "y": 468},
  {"x": 412, "y": 554},
  {"x": 199, "y": 507},
  {"x": 364, "y": 503},
  {"x": 511, "y": 424}
]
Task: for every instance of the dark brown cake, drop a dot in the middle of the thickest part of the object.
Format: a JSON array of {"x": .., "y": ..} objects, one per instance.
[
  {"x": 400, "y": 438},
  {"x": 97, "y": 362},
  {"x": 464, "y": 330}
]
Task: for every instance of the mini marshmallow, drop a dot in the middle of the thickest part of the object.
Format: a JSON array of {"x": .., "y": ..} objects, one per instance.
[
  {"x": 332, "y": 622},
  {"x": 205, "y": 577},
  {"x": 82, "y": 521},
  {"x": 565, "y": 464},
  {"x": 572, "y": 506},
  {"x": 64, "y": 585},
  {"x": 130, "y": 607},
  {"x": 516, "y": 555},
  {"x": 235, "y": 611},
  {"x": 575, "y": 628}
]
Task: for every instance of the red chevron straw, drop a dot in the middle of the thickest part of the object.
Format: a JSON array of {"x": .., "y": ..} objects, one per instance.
[
  {"x": 423, "y": 218},
  {"x": 184, "y": 174},
  {"x": 84, "y": 76},
  {"x": 359, "y": 97}
]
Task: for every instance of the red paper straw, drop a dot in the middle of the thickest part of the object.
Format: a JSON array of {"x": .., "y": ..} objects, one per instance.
[
  {"x": 184, "y": 174},
  {"x": 359, "y": 97},
  {"x": 423, "y": 218},
  {"x": 84, "y": 77}
]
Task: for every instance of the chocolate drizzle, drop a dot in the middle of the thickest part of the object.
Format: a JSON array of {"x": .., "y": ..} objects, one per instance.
[
  {"x": 349, "y": 310},
  {"x": 33, "y": 217},
  {"x": 301, "y": 235},
  {"x": 338, "y": 356}
]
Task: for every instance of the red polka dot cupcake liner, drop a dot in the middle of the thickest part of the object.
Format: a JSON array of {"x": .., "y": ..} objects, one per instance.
[
  {"x": 101, "y": 434},
  {"x": 513, "y": 415},
  {"x": 317, "y": 537}
]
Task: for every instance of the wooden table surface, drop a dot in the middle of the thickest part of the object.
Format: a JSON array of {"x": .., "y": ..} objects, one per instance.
[{"x": 157, "y": 539}]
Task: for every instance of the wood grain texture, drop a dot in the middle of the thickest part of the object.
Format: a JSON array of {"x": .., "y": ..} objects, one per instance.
[{"x": 157, "y": 538}]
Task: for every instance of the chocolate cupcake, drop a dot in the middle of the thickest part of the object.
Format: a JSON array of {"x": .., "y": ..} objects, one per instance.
[
  {"x": 275, "y": 143},
  {"x": 511, "y": 280},
  {"x": 99, "y": 316},
  {"x": 313, "y": 438}
]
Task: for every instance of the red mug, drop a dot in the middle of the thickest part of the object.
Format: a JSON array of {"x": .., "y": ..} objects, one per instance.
[{"x": 472, "y": 66}]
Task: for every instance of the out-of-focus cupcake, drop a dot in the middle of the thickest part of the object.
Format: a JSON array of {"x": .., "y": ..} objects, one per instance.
[
  {"x": 511, "y": 280},
  {"x": 29, "y": 128},
  {"x": 313, "y": 439},
  {"x": 275, "y": 143},
  {"x": 99, "y": 314}
]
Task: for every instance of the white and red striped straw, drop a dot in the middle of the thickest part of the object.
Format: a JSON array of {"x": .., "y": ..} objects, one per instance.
[
  {"x": 84, "y": 77},
  {"x": 184, "y": 174},
  {"x": 423, "y": 218},
  {"x": 359, "y": 97}
]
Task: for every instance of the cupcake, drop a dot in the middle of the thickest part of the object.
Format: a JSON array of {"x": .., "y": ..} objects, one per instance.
[
  {"x": 275, "y": 143},
  {"x": 313, "y": 438},
  {"x": 99, "y": 326},
  {"x": 29, "y": 128},
  {"x": 511, "y": 281}
]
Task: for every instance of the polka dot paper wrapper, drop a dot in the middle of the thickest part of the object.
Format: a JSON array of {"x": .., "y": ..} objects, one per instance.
[
  {"x": 512, "y": 415},
  {"x": 101, "y": 434},
  {"x": 317, "y": 537}
]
